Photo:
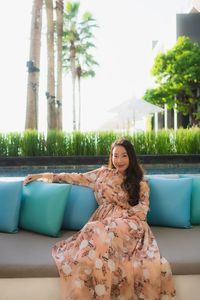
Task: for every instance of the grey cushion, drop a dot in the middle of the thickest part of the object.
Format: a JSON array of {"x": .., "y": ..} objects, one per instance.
[
  {"x": 181, "y": 247},
  {"x": 28, "y": 254}
]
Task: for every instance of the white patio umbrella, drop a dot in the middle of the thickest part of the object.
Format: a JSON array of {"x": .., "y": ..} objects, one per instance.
[
  {"x": 135, "y": 109},
  {"x": 129, "y": 114},
  {"x": 115, "y": 123}
]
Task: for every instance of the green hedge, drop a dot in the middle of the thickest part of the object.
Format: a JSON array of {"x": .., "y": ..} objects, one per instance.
[{"x": 58, "y": 143}]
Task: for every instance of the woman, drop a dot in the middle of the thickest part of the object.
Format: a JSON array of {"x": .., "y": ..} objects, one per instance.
[{"x": 115, "y": 255}]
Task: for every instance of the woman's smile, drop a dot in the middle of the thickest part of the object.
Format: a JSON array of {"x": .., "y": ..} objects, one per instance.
[{"x": 120, "y": 159}]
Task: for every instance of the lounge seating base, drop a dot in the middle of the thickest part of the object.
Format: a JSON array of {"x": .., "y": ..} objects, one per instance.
[{"x": 187, "y": 287}]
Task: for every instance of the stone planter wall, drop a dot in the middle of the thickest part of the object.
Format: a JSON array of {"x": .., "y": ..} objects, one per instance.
[{"x": 94, "y": 160}]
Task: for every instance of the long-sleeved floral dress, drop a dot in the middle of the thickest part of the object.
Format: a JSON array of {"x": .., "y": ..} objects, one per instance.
[{"x": 115, "y": 255}]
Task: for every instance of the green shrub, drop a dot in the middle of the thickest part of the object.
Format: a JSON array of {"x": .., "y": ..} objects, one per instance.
[
  {"x": 14, "y": 144},
  {"x": 32, "y": 143},
  {"x": 140, "y": 141},
  {"x": 89, "y": 143},
  {"x": 3, "y": 145},
  {"x": 104, "y": 141},
  {"x": 78, "y": 143},
  {"x": 188, "y": 141},
  {"x": 59, "y": 143},
  {"x": 56, "y": 144},
  {"x": 164, "y": 142}
]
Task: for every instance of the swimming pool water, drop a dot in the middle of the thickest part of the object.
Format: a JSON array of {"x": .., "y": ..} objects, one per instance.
[{"x": 149, "y": 169}]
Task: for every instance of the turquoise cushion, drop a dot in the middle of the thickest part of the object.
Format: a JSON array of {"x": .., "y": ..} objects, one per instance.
[
  {"x": 10, "y": 201},
  {"x": 43, "y": 206},
  {"x": 80, "y": 206},
  {"x": 170, "y": 202},
  {"x": 195, "y": 201}
]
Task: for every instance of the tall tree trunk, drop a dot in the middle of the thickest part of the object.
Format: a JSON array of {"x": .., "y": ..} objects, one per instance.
[
  {"x": 50, "y": 93},
  {"x": 73, "y": 72},
  {"x": 79, "y": 103},
  {"x": 192, "y": 119},
  {"x": 59, "y": 14},
  {"x": 79, "y": 74},
  {"x": 34, "y": 67}
]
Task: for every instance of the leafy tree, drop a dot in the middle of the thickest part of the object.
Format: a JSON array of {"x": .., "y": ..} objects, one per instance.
[
  {"x": 77, "y": 42},
  {"x": 177, "y": 78}
]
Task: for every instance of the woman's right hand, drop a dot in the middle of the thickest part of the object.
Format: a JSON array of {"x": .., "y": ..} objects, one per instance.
[{"x": 31, "y": 177}]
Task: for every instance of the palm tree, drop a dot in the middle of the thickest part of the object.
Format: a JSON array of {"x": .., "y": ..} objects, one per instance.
[
  {"x": 50, "y": 93},
  {"x": 84, "y": 69},
  {"x": 34, "y": 67},
  {"x": 59, "y": 30},
  {"x": 85, "y": 60},
  {"x": 76, "y": 44},
  {"x": 69, "y": 38}
]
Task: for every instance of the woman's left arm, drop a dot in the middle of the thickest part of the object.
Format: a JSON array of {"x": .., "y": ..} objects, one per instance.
[{"x": 85, "y": 179}]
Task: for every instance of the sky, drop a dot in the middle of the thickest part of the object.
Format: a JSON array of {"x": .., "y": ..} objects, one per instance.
[{"x": 123, "y": 50}]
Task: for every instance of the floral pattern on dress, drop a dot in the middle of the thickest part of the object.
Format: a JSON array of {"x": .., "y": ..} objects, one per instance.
[{"x": 115, "y": 255}]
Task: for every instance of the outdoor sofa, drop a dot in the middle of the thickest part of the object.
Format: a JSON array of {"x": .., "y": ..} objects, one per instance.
[{"x": 35, "y": 217}]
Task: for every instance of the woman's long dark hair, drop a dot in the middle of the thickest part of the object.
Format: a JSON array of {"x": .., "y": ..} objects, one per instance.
[{"x": 134, "y": 172}]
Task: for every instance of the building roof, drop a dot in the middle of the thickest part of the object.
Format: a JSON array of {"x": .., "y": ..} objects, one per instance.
[{"x": 194, "y": 6}]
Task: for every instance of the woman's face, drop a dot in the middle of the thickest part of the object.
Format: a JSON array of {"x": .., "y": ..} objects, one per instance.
[{"x": 120, "y": 159}]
